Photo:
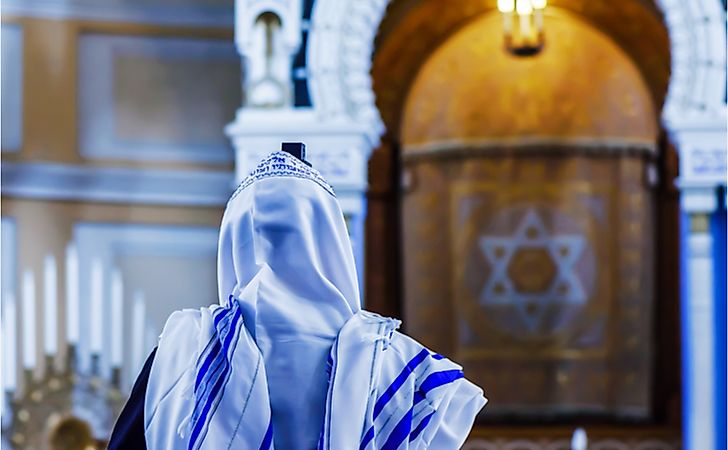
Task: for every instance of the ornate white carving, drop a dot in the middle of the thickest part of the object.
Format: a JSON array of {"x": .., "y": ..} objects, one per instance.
[
  {"x": 697, "y": 44},
  {"x": 339, "y": 56},
  {"x": 267, "y": 35}
]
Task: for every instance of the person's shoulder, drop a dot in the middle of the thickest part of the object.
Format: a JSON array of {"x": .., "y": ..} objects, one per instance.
[
  {"x": 409, "y": 348},
  {"x": 182, "y": 321}
]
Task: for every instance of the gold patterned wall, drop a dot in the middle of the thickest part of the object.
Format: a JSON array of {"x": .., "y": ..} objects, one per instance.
[{"x": 528, "y": 220}]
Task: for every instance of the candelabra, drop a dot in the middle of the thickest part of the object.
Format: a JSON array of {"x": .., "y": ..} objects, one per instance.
[
  {"x": 48, "y": 393},
  {"x": 56, "y": 394}
]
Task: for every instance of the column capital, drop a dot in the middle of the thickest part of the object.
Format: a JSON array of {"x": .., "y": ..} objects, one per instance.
[
  {"x": 701, "y": 143},
  {"x": 698, "y": 199}
]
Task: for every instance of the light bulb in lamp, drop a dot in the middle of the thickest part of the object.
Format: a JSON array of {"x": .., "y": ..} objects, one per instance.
[
  {"x": 524, "y": 7},
  {"x": 538, "y": 4},
  {"x": 506, "y": 6}
]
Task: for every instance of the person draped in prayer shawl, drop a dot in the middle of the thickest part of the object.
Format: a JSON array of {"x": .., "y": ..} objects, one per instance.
[{"x": 288, "y": 359}]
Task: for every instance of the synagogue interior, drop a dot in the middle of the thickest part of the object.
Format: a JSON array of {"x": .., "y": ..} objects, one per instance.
[{"x": 537, "y": 189}]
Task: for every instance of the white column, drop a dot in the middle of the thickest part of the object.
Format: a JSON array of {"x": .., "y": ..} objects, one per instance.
[
  {"x": 700, "y": 139},
  {"x": 699, "y": 362}
]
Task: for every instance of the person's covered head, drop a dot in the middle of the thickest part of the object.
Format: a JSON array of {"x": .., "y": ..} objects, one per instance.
[
  {"x": 284, "y": 251},
  {"x": 71, "y": 433}
]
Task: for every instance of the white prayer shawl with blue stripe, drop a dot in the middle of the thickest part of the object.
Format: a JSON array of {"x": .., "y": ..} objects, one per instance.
[
  {"x": 414, "y": 398},
  {"x": 386, "y": 391},
  {"x": 289, "y": 360}
]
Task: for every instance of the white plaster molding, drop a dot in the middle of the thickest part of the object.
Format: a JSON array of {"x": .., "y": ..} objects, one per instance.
[
  {"x": 12, "y": 87},
  {"x": 161, "y": 13},
  {"x": 54, "y": 181},
  {"x": 98, "y": 58},
  {"x": 702, "y": 154}
]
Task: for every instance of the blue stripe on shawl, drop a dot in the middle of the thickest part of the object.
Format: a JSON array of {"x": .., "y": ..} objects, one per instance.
[
  {"x": 399, "y": 433},
  {"x": 213, "y": 347},
  {"x": 213, "y": 387},
  {"x": 391, "y": 390},
  {"x": 214, "y": 370},
  {"x": 213, "y": 359},
  {"x": 202, "y": 420},
  {"x": 437, "y": 379},
  {"x": 367, "y": 437},
  {"x": 402, "y": 429},
  {"x": 268, "y": 438},
  {"x": 421, "y": 426},
  {"x": 399, "y": 381},
  {"x": 222, "y": 325}
]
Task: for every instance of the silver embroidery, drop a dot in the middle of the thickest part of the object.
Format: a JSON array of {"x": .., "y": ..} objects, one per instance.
[{"x": 282, "y": 164}]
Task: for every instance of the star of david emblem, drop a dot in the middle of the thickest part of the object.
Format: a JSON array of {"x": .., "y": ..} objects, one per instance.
[{"x": 532, "y": 269}]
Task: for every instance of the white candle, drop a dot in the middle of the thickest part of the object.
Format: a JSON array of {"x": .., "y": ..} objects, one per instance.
[
  {"x": 97, "y": 300},
  {"x": 72, "y": 295},
  {"x": 137, "y": 324},
  {"x": 50, "y": 309},
  {"x": 29, "y": 319},
  {"x": 9, "y": 344},
  {"x": 117, "y": 318}
]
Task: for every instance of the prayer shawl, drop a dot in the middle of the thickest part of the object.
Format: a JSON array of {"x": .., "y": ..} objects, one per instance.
[{"x": 288, "y": 360}]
